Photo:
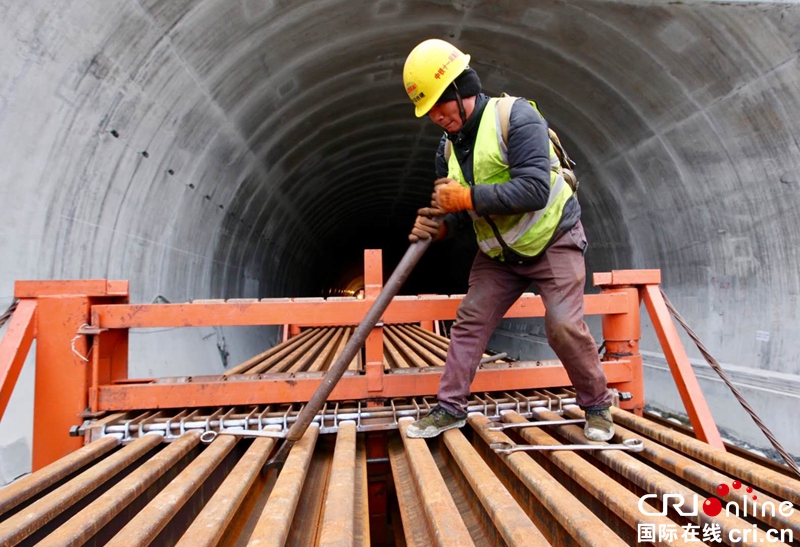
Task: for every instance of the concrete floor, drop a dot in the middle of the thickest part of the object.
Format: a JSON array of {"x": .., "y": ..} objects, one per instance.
[{"x": 253, "y": 148}]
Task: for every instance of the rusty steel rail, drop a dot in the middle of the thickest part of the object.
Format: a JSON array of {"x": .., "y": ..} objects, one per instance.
[
  {"x": 744, "y": 470},
  {"x": 27, "y": 487},
  {"x": 581, "y": 524},
  {"x": 338, "y": 522},
  {"x": 452, "y": 490},
  {"x": 81, "y": 527},
  {"x": 35, "y": 516},
  {"x": 514, "y": 525},
  {"x": 272, "y": 527},
  {"x": 143, "y": 529},
  {"x": 703, "y": 477},
  {"x": 446, "y": 525},
  {"x": 654, "y": 481}
]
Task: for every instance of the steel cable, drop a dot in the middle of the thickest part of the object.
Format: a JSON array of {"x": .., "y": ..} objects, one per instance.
[
  {"x": 736, "y": 393},
  {"x": 8, "y": 313}
]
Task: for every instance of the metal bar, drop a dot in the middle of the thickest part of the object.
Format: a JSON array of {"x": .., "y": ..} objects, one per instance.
[
  {"x": 295, "y": 390},
  {"x": 27, "y": 487},
  {"x": 509, "y": 518},
  {"x": 338, "y": 519},
  {"x": 275, "y": 521},
  {"x": 210, "y": 525},
  {"x": 410, "y": 356},
  {"x": 86, "y": 523},
  {"x": 310, "y": 355},
  {"x": 361, "y": 520},
  {"x": 780, "y": 485},
  {"x": 292, "y": 361},
  {"x": 443, "y": 517},
  {"x": 331, "y": 313},
  {"x": 436, "y": 353},
  {"x": 393, "y": 352},
  {"x": 143, "y": 528},
  {"x": 415, "y": 524},
  {"x": 62, "y": 379},
  {"x": 39, "y": 513},
  {"x": 86, "y": 287},
  {"x": 289, "y": 352},
  {"x": 415, "y": 345},
  {"x": 653, "y": 481},
  {"x": 688, "y": 387},
  {"x": 334, "y": 373},
  {"x": 260, "y": 358},
  {"x": 14, "y": 348},
  {"x": 581, "y": 523},
  {"x": 702, "y": 477},
  {"x": 326, "y": 356}
]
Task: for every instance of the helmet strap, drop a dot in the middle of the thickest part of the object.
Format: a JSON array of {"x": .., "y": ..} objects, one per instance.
[{"x": 461, "y": 109}]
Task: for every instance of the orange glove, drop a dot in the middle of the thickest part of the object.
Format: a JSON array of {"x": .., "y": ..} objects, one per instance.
[
  {"x": 426, "y": 227},
  {"x": 452, "y": 197}
]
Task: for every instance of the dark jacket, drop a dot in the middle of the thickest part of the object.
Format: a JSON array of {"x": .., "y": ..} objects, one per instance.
[{"x": 529, "y": 165}]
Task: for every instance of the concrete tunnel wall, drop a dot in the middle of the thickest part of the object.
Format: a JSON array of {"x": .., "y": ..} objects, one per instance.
[{"x": 254, "y": 148}]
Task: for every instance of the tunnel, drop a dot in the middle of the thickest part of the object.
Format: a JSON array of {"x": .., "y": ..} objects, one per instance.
[{"x": 207, "y": 149}]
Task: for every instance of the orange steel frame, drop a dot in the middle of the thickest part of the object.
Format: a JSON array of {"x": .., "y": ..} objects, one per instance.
[{"x": 94, "y": 318}]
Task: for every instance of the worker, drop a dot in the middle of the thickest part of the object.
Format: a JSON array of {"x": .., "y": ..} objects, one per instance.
[{"x": 527, "y": 222}]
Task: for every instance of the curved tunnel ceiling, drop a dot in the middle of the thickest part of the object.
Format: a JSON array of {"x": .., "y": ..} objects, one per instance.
[{"x": 254, "y": 148}]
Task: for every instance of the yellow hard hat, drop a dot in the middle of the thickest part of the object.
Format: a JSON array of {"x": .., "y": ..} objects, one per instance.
[{"x": 429, "y": 69}]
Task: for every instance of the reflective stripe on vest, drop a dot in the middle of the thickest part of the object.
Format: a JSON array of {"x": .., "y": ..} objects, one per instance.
[{"x": 525, "y": 233}]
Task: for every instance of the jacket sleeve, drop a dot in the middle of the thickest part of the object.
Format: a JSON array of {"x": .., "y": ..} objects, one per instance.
[{"x": 529, "y": 166}]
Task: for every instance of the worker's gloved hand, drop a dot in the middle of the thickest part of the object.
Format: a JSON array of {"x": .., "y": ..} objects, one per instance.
[
  {"x": 426, "y": 227},
  {"x": 451, "y": 197}
]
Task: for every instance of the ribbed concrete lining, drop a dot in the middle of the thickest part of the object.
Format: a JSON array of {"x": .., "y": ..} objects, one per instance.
[{"x": 280, "y": 143}]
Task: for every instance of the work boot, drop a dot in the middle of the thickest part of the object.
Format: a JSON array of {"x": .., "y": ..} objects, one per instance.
[
  {"x": 599, "y": 425},
  {"x": 437, "y": 420}
]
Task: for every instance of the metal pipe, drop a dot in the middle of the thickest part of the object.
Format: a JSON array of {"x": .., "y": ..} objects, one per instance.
[
  {"x": 143, "y": 528},
  {"x": 338, "y": 519},
  {"x": 442, "y": 515},
  {"x": 87, "y": 522},
  {"x": 27, "y": 487},
  {"x": 272, "y": 528},
  {"x": 40, "y": 512},
  {"x": 511, "y": 521},
  {"x": 398, "y": 277}
]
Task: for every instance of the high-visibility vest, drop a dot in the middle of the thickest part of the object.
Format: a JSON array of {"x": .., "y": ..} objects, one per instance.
[{"x": 526, "y": 233}]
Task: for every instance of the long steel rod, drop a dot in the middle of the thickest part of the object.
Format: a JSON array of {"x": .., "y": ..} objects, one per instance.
[
  {"x": 272, "y": 528},
  {"x": 314, "y": 405},
  {"x": 514, "y": 525},
  {"x": 27, "y": 487},
  {"x": 86, "y": 523}
]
